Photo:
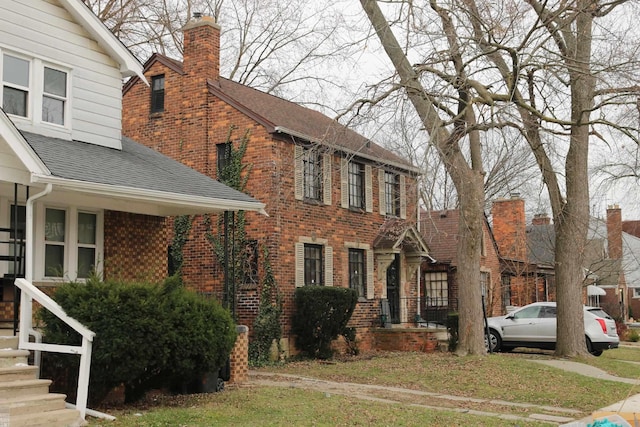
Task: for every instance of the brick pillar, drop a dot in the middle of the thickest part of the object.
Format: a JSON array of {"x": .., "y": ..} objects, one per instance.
[{"x": 240, "y": 357}]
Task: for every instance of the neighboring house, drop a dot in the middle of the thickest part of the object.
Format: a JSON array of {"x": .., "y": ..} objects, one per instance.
[
  {"x": 440, "y": 286},
  {"x": 528, "y": 273},
  {"x": 342, "y": 210},
  {"x": 75, "y": 195},
  {"x": 611, "y": 257}
]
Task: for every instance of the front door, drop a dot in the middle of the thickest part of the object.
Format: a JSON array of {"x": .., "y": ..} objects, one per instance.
[{"x": 393, "y": 289}]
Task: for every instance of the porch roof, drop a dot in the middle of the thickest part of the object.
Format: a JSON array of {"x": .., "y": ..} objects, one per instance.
[{"x": 135, "y": 179}]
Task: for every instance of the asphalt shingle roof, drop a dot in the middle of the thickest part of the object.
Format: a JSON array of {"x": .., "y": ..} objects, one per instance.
[{"x": 135, "y": 166}]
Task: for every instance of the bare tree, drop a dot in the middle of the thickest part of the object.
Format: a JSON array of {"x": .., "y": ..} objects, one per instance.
[
  {"x": 529, "y": 66},
  {"x": 447, "y": 135},
  {"x": 281, "y": 47}
]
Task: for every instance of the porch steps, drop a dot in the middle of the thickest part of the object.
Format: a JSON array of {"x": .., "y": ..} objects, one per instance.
[{"x": 25, "y": 400}]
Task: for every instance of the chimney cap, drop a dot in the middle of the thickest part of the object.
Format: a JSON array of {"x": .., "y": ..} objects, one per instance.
[{"x": 197, "y": 15}]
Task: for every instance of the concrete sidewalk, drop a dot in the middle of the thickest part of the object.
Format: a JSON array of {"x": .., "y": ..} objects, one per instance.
[{"x": 631, "y": 405}]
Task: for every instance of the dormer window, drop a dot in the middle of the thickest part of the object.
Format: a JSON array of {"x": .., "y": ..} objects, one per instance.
[
  {"x": 157, "y": 94},
  {"x": 34, "y": 90}
]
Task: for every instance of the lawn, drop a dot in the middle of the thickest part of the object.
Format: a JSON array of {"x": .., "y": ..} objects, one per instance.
[{"x": 510, "y": 377}]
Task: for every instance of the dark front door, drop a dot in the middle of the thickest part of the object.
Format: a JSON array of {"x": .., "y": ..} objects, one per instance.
[{"x": 393, "y": 289}]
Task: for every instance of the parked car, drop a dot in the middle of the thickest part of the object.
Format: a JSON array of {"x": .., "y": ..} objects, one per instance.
[{"x": 534, "y": 326}]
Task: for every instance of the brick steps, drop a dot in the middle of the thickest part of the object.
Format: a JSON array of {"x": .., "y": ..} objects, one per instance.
[{"x": 25, "y": 400}]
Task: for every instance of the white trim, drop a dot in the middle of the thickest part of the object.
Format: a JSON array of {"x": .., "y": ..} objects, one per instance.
[
  {"x": 10, "y": 133},
  {"x": 207, "y": 204}
]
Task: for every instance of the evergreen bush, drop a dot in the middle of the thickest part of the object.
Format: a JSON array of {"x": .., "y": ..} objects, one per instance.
[
  {"x": 322, "y": 314},
  {"x": 146, "y": 335}
]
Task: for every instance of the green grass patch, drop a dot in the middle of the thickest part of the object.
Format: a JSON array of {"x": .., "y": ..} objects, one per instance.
[{"x": 268, "y": 406}]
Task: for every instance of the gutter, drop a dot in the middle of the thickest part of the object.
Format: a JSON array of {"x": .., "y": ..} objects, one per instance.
[{"x": 208, "y": 204}]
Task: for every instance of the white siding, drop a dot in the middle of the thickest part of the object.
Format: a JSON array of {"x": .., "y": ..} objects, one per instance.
[
  {"x": 11, "y": 168},
  {"x": 45, "y": 30}
]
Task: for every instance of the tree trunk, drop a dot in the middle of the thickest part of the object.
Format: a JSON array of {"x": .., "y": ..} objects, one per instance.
[
  {"x": 468, "y": 180},
  {"x": 572, "y": 223}
]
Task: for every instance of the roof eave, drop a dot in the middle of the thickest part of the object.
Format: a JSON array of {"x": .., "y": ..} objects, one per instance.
[
  {"x": 295, "y": 134},
  {"x": 193, "y": 203}
]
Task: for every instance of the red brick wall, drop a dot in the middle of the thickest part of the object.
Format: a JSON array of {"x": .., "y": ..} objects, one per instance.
[
  {"x": 134, "y": 247},
  {"x": 509, "y": 228}
]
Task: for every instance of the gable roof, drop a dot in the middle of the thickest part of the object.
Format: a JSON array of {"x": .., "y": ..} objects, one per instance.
[
  {"x": 287, "y": 118},
  {"x": 129, "y": 64},
  {"x": 397, "y": 235},
  {"x": 135, "y": 174},
  {"x": 440, "y": 231},
  {"x": 541, "y": 249}
]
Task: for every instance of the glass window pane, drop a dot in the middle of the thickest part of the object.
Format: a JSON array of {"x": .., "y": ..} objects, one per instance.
[
  {"x": 53, "y": 260},
  {"x": 14, "y": 101},
  {"x": 52, "y": 110},
  {"x": 87, "y": 228},
  {"x": 86, "y": 261},
  {"x": 54, "y": 226},
  {"x": 15, "y": 71},
  {"x": 55, "y": 82}
]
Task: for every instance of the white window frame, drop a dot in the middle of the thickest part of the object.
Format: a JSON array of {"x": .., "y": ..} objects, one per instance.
[
  {"x": 36, "y": 90},
  {"x": 70, "y": 266}
]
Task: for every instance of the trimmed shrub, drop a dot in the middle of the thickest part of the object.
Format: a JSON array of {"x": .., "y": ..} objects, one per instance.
[
  {"x": 322, "y": 314},
  {"x": 146, "y": 335}
]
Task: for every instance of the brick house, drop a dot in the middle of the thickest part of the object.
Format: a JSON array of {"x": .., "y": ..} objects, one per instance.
[
  {"x": 527, "y": 261},
  {"x": 342, "y": 210},
  {"x": 611, "y": 266},
  {"x": 439, "y": 291}
]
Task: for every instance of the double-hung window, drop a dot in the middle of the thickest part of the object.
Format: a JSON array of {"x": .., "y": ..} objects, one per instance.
[
  {"x": 392, "y": 194},
  {"x": 34, "y": 90},
  {"x": 15, "y": 85},
  {"x": 312, "y": 171},
  {"x": 72, "y": 243},
  {"x": 157, "y": 94},
  {"x": 313, "y": 262},
  {"x": 54, "y": 97},
  {"x": 356, "y": 185},
  {"x": 55, "y": 226},
  {"x": 357, "y": 272},
  {"x": 312, "y": 174}
]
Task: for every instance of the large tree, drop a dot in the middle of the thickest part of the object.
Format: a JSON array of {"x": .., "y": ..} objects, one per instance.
[
  {"x": 528, "y": 66},
  {"x": 448, "y": 136}
]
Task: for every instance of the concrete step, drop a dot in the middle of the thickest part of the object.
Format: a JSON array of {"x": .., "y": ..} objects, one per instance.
[
  {"x": 10, "y": 357},
  {"x": 18, "y": 372},
  {"x": 59, "y": 418},
  {"x": 11, "y": 389},
  {"x": 32, "y": 404},
  {"x": 9, "y": 341}
]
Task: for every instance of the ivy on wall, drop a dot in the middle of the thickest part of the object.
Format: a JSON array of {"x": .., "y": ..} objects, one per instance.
[{"x": 181, "y": 229}]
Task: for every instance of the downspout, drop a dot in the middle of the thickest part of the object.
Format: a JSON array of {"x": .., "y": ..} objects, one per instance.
[
  {"x": 419, "y": 273},
  {"x": 29, "y": 232}
]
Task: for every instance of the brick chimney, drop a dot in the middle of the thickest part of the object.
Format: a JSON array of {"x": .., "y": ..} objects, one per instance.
[
  {"x": 614, "y": 231},
  {"x": 541, "y": 219},
  {"x": 509, "y": 227},
  {"x": 201, "y": 48}
]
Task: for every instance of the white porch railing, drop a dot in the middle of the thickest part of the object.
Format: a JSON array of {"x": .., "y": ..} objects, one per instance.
[{"x": 30, "y": 293}]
